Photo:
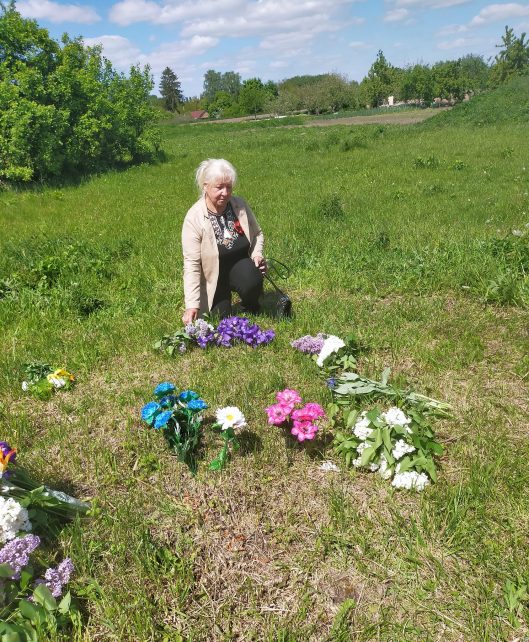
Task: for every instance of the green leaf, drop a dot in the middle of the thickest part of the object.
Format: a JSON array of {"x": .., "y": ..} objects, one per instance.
[
  {"x": 6, "y": 571},
  {"x": 42, "y": 595},
  {"x": 385, "y": 376},
  {"x": 32, "y": 612},
  {"x": 351, "y": 418},
  {"x": 65, "y": 603},
  {"x": 367, "y": 454}
]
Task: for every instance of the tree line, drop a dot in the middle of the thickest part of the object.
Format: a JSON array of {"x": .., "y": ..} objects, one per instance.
[{"x": 226, "y": 95}]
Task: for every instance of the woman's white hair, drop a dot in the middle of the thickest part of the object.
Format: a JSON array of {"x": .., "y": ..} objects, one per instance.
[{"x": 214, "y": 169}]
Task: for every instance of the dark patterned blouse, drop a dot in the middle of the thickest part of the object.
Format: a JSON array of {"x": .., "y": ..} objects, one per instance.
[{"x": 231, "y": 240}]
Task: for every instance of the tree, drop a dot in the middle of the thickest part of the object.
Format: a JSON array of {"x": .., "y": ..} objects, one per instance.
[
  {"x": 417, "y": 83},
  {"x": 448, "y": 80},
  {"x": 214, "y": 81},
  {"x": 252, "y": 96},
  {"x": 170, "y": 89},
  {"x": 475, "y": 73},
  {"x": 513, "y": 58},
  {"x": 380, "y": 81},
  {"x": 65, "y": 109}
]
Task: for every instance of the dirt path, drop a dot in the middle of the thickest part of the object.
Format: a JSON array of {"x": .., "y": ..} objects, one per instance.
[{"x": 388, "y": 118}]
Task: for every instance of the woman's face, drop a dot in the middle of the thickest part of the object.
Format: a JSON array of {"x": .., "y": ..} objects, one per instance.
[{"x": 218, "y": 193}]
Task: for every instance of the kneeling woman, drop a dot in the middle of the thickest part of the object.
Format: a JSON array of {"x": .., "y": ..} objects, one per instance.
[{"x": 222, "y": 245}]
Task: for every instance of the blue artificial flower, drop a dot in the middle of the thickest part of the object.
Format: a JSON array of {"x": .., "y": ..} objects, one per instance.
[
  {"x": 188, "y": 395},
  {"x": 197, "y": 404},
  {"x": 162, "y": 419},
  {"x": 149, "y": 411},
  {"x": 168, "y": 401},
  {"x": 163, "y": 389},
  {"x": 331, "y": 383}
]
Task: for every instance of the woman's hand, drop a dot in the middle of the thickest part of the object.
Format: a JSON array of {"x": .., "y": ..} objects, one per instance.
[
  {"x": 260, "y": 262},
  {"x": 190, "y": 315}
]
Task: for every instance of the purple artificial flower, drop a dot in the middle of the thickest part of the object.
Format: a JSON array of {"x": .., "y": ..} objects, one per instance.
[
  {"x": 55, "y": 578},
  {"x": 331, "y": 383},
  {"x": 16, "y": 553},
  {"x": 309, "y": 344}
]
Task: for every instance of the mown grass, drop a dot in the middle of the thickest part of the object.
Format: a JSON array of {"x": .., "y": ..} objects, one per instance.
[{"x": 401, "y": 235}]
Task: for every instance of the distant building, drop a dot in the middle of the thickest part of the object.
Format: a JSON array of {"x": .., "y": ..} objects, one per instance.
[{"x": 202, "y": 113}]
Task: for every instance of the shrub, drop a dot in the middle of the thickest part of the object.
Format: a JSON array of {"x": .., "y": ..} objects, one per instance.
[{"x": 64, "y": 109}]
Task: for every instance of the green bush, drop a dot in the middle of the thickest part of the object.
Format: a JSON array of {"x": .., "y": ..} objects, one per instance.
[{"x": 64, "y": 109}]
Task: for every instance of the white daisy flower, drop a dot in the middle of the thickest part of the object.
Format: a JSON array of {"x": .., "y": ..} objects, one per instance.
[{"x": 230, "y": 417}]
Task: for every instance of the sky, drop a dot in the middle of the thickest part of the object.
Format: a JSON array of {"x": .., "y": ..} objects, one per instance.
[{"x": 273, "y": 39}]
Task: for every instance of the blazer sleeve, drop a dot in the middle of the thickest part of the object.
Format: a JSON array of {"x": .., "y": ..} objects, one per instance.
[
  {"x": 191, "y": 244},
  {"x": 257, "y": 247}
]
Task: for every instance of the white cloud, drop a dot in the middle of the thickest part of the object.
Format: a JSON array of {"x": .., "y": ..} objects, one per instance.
[
  {"x": 358, "y": 44},
  {"x": 396, "y": 15},
  {"x": 127, "y": 12},
  {"x": 55, "y": 12},
  {"x": 500, "y": 12},
  {"x": 119, "y": 50},
  {"x": 458, "y": 43},
  {"x": 124, "y": 53},
  {"x": 450, "y": 30}
]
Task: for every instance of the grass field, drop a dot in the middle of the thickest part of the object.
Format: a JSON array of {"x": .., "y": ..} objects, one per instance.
[{"x": 402, "y": 235}]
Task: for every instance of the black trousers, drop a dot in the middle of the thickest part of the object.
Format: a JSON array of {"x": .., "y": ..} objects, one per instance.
[{"x": 245, "y": 279}]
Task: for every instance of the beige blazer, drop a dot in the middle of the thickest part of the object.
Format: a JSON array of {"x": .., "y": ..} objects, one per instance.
[{"x": 201, "y": 254}]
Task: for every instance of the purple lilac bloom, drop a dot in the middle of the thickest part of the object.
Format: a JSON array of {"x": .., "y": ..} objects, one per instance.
[
  {"x": 55, "y": 578},
  {"x": 201, "y": 331},
  {"x": 16, "y": 553},
  {"x": 309, "y": 344}
]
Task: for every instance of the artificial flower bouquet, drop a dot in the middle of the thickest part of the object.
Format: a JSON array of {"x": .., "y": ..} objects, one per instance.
[
  {"x": 26, "y": 503},
  {"x": 290, "y": 411},
  {"x": 227, "y": 333},
  {"x": 179, "y": 417},
  {"x": 399, "y": 446},
  {"x": 331, "y": 353},
  {"x": 41, "y": 379},
  {"x": 29, "y": 607},
  {"x": 229, "y": 421}
]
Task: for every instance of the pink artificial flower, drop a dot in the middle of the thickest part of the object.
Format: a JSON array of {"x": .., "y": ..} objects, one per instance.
[
  {"x": 309, "y": 412},
  {"x": 288, "y": 398},
  {"x": 315, "y": 410},
  {"x": 304, "y": 430},
  {"x": 277, "y": 414}
]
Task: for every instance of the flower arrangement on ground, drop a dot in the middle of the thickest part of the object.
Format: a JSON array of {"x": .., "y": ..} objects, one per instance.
[
  {"x": 228, "y": 333},
  {"x": 289, "y": 411},
  {"x": 179, "y": 417},
  {"x": 230, "y": 420},
  {"x": 330, "y": 352},
  {"x": 399, "y": 446},
  {"x": 41, "y": 379},
  {"x": 26, "y": 503},
  {"x": 28, "y": 607}
]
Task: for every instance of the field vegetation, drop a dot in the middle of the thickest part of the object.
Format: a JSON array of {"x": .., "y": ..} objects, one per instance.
[{"x": 415, "y": 239}]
